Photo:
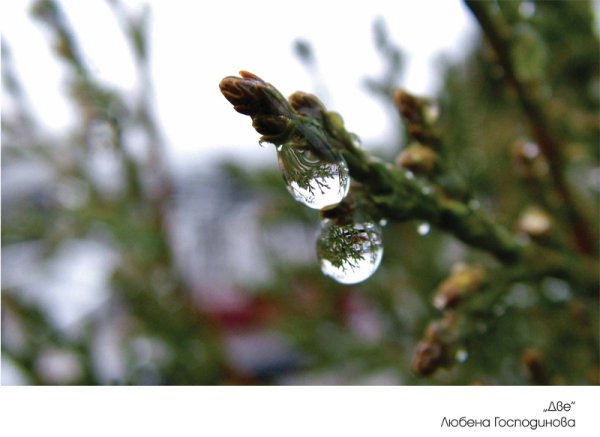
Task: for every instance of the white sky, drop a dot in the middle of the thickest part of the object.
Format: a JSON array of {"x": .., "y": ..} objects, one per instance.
[{"x": 194, "y": 44}]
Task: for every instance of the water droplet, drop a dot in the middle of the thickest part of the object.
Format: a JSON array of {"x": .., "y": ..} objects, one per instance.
[
  {"x": 527, "y": 9},
  {"x": 100, "y": 134},
  {"x": 461, "y": 355},
  {"x": 383, "y": 222},
  {"x": 531, "y": 150},
  {"x": 521, "y": 295},
  {"x": 432, "y": 112},
  {"x": 426, "y": 190},
  {"x": 349, "y": 253},
  {"x": 409, "y": 174},
  {"x": 557, "y": 290},
  {"x": 263, "y": 143},
  {"x": 498, "y": 310},
  {"x": 535, "y": 222},
  {"x": 424, "y": 228},
  {"x": 474, "y": 204},
  {"x": 594, "y": 178},
  {"x": 315, "y": 182}
]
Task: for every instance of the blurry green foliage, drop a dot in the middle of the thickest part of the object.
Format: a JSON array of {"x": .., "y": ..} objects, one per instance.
[{"x": 513, "y": 331}]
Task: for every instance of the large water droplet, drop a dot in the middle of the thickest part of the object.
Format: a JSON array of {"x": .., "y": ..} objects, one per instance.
[
  {"x": 315, "y": 182},
  {"x": 349, "y": 253}
]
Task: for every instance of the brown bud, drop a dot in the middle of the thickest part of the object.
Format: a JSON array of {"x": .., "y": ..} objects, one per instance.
[
  {"x": 270, "y": 124},
  {"x": 307, "y": 104},
  {"x": 273, "y": 128},
  {"x": 443, "y": 330},
  {"x": 418, "y": 159},
  {"x": 532, "y": 359},
  {"x": 251, "y": 76},
  {"x": 246, "y": 93},
  {"x": 419, "y": 116},
  {"x": 428, "y": 358},
  {"x": 408, "y": 106},
  {"x": 463, "y": 281}
]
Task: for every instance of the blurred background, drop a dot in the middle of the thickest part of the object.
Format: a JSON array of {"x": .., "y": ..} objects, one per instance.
[{"x": 148, "y": 239}]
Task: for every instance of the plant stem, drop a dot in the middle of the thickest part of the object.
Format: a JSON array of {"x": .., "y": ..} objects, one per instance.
[{"x": 398, "y": 197}]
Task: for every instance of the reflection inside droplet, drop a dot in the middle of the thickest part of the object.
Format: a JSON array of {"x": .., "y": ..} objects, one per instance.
[
  {"x": 349, "y": 253},
  {"x": 315, "y": 182}
]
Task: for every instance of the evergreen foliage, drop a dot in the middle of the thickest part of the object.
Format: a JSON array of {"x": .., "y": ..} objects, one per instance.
[{"x": 500, "y": 287}]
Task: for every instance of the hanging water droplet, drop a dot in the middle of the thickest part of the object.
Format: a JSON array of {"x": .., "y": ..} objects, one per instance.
[
  {"x": 424, "y": 228},
  {"x": 349, "y": 253},
  {"x": 461, "y": 355},
  {"x": 383, "y": 222},
  {"x": 264, "y": 143},
  {"x": 315, "y": 182}
]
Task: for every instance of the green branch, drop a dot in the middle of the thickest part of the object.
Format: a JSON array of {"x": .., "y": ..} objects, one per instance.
[
  {"x": 392, "y": 192},
  {"x": 534, "y": 106}
]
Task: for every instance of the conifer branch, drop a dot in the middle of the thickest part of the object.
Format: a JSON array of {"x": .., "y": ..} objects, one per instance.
[
  {"x": 534, "y": 105},
  {"x": 393, "y": 192}
]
